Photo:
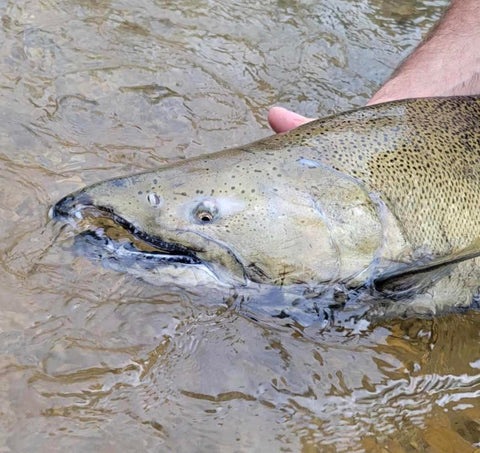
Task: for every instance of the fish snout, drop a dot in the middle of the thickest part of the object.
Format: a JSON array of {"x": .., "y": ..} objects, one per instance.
[{"x": 68, "y": 206}]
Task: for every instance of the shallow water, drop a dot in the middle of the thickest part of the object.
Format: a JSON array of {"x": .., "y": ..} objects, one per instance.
[{"x": 93, "y": 360}]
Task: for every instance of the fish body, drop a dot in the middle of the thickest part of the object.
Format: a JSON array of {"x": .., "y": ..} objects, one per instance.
[{"x": 384, "y": 197}]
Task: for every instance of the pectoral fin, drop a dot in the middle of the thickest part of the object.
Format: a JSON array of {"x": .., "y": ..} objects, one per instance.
[{"x": 419, "y": 276}]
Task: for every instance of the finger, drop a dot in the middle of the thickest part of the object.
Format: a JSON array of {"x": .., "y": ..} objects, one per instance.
[{"x": 282, "y": 120}]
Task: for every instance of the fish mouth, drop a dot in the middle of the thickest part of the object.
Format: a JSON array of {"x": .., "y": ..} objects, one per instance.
[{"x": 103, "y": 225}]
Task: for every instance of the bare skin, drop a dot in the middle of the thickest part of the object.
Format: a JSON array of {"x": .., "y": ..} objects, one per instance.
[{"x": 447, "y": 63}]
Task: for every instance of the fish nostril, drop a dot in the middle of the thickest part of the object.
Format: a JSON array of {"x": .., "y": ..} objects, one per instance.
[{"x": 154, "y": 200}]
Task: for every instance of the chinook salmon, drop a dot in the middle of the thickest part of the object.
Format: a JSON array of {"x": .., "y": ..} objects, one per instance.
[{"x": 384, "y": 198}]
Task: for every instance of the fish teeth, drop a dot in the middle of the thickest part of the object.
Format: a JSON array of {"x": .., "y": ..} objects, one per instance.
[{"x": 100, "y": 232}]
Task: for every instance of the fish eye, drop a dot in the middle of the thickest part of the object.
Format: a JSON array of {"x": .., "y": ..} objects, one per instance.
[
  {"x": 205, "y": 212},
  {"x": 205, "y": 216},
  {"x": 154, "y": 200}
]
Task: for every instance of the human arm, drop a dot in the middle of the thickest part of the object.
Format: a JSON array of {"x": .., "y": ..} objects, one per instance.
[{"x": 447, "y": 63}]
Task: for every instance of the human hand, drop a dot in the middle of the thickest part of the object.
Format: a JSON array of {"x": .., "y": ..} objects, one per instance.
[
  {"x": 282, "y": 120},
  {"x": 447, "y": 63}
]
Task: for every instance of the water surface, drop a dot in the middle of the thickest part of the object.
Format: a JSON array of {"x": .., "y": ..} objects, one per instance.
[{"x": 93, "y": 360}]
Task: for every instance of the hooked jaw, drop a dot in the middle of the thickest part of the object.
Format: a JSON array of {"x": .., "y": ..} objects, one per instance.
[
  {"x": 70, "y": 207},
  {"x": 75, "y": 207}
]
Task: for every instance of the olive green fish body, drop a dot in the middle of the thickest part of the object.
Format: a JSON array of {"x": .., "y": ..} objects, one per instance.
[
  {"x": 422, "y": 156},
  {"x": 383, "y": 197}
]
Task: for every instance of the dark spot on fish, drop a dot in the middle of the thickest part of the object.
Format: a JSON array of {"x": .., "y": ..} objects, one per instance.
[
  {"x": 140, "y": 192},
  {"x": 119, "y": 182}
]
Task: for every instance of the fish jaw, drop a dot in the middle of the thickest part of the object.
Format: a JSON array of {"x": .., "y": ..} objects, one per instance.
[{"x": 138, "y": 251}]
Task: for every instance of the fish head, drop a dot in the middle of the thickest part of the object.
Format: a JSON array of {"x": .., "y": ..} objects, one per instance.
[{"x": 220, "y": 214}]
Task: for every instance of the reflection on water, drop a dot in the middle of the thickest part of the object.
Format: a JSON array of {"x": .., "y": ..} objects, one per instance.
[{"x": 93, "y": 360}]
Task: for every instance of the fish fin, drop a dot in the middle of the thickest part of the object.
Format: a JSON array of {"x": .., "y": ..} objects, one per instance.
[{"x": 419, "y": 276}]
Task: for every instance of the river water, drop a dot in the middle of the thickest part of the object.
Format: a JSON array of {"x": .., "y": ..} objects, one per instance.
[{"x": 94, "y": 360}]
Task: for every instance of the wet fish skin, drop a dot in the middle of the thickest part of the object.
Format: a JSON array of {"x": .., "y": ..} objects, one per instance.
[{"x": 344, "y": 199}]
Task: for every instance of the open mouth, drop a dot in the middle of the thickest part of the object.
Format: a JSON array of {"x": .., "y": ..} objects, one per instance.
[{"x": 101, "y": 227}]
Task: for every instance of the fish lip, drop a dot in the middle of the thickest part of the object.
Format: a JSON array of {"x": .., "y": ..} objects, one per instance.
[
  {"x": 69, "y": 208},
  {"x": 168, "y": 248},
  {"x": 122, "y": 251}
]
